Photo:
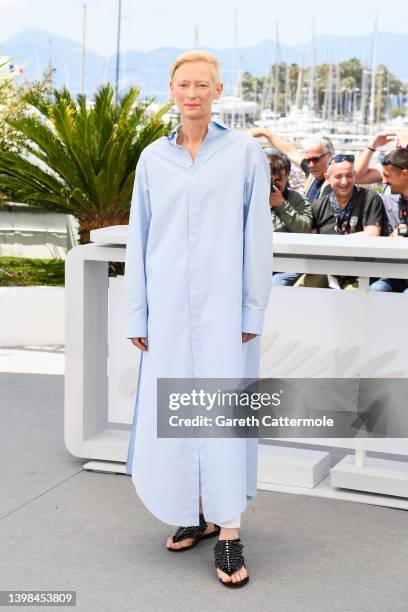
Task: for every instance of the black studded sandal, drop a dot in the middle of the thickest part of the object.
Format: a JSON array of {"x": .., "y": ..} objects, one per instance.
[
  {"x": 196, "y": 532},
  {"x": 229, "y": 559}
]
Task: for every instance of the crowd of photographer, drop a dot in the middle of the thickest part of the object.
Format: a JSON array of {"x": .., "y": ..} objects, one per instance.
[{"x": 335, "y": 198}]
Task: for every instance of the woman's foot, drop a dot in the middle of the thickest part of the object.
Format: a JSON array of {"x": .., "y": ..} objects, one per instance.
[
  {"x": 186, "y": 542},
  {"x": 235, "y": 577},
  {"x": 240, "y": 574}
]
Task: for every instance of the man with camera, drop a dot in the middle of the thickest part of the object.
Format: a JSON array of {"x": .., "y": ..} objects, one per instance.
[
  {"x": 290, "y": 210},
  {"x": 395, "y": 173}
]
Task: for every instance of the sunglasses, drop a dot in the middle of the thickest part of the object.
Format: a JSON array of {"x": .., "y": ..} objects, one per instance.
[
  {"x": 340, "y": 157},
  {"x": 315, "y": 159},
  {"x": 386, "y": 161}
]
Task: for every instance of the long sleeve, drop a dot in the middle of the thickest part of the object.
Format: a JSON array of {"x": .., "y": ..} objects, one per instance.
[
  {"x": 135, "y": 274},
  {"x": 295, "y": 214},
  {"x": 257, "y": 263}
]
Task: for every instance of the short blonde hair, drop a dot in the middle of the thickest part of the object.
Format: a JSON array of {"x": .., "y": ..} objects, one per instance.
[{"x": 197, "y": 56}]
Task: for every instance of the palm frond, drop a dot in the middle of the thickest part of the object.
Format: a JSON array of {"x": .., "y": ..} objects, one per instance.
[{"x": 78, "y": 156}]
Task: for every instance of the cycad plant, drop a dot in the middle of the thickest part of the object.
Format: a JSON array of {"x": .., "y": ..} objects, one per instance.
[{"x": 78, "y": 157}]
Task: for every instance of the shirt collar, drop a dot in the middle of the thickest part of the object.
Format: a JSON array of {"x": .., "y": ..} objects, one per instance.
[{"x": 214, "y": 125}]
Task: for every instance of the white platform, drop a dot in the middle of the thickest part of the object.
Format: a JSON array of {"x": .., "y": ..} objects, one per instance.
[
  {"x": 383, "y": 476},
  {"x": 111, "y": 467},
  {"x": 34, "y": 315},
  {"x": 337, "y": 342},
  {"x": 325, "y": 490},
  {"x": 297, "y": 467},
  {"x": 33, "y": 360}
]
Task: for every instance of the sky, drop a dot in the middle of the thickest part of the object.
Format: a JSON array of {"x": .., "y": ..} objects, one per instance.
[{"x": 150, "y": 24}]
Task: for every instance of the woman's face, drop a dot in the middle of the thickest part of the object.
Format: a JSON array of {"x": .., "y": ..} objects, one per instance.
[{"x": 194, "y": 88}]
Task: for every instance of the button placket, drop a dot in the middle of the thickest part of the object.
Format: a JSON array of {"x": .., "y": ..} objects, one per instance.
[
  {"x": 193, "y": 229},
  {"x": 193, "y": 234}
]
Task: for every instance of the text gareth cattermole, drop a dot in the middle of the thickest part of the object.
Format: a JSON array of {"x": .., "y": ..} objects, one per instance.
[{"x": 207, "y": 400}]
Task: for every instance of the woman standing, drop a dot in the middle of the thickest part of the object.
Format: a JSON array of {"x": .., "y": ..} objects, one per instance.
[{"x": 197, "y": 280}]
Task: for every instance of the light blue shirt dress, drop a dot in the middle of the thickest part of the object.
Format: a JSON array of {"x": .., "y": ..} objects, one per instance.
[{"x": 198, "y": 274}]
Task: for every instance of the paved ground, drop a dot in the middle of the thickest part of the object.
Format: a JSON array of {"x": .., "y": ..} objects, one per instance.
[{"x": 64, "y": 528}]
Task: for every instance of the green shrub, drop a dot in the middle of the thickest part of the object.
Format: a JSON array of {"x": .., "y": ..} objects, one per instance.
[{"x": 23, "y": 272}]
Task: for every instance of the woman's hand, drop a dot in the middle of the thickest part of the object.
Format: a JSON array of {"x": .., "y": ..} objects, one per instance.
[
  {"x": 140, "y": 343},
  {"x": 246, "y": 337}
]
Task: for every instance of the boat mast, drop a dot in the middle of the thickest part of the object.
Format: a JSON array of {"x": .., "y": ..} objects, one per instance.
[
  {"x": 83, "y": 49},
  {"x": 330, "y": 93},
  {"x": 276, "y": 74},
  {"x": 371, "y": 112},
  {"x": 310, "y": 102},
  {"x": 363, "y": 101},
  {"x": 325, "y": 110},
  {"x": 267, "y": 91},
  {"x": 287, "y": 90},
  {"x": 379, "y": 94},
  {"x": 298, "y": 98},
  {"x": 337, "y": 92},
  {"x": 388, "y": 99},
  {"x": 354, "y": 104},
  {"x": 236, "y": 67},
  {"x": 118, "y": 52}
]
